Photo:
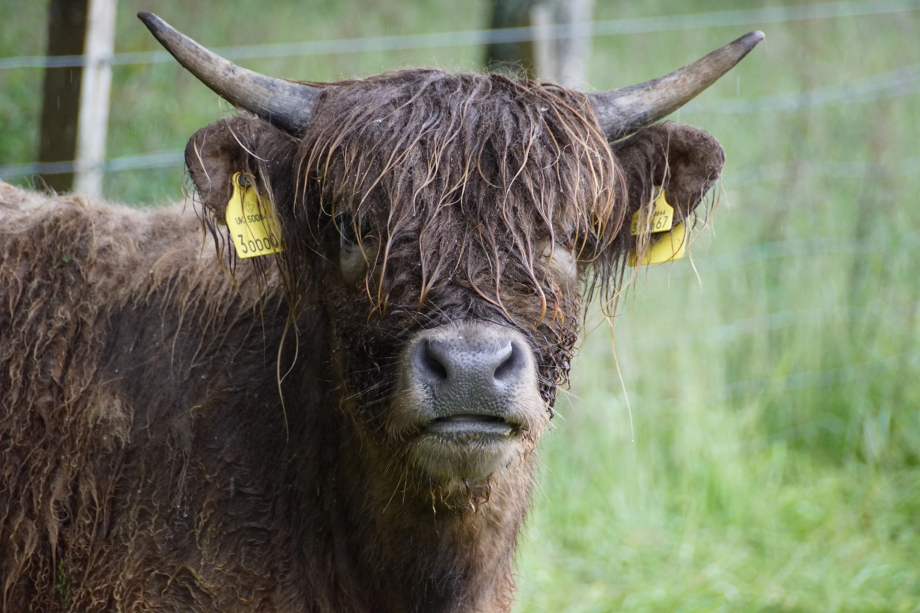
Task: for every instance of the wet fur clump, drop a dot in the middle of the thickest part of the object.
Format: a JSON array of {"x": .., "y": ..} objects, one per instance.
[
  {"x": 108, "y": 318},
  {"x": 409, "y": 157}
]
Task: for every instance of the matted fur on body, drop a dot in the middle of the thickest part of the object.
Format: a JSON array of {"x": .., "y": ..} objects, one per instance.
[{"x": 147, "y": 464}]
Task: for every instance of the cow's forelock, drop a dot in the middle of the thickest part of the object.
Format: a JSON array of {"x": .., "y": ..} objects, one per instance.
[{"x": 463, "y": 172}]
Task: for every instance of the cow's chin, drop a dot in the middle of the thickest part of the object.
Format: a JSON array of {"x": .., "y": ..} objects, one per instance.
[{"x": 466, "y": 448}]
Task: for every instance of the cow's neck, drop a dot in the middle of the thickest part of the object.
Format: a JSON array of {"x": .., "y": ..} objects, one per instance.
[
  {"x": 389, "y": 547},
  {"x": 435, "y": 556}
]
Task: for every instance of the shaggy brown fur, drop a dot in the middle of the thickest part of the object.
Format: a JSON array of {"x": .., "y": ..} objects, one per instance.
[{"x": 182, "y": 432}]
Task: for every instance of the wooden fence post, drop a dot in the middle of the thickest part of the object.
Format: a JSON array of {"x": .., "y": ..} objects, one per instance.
[
  {"x": 561, "y": 42},
  {"x": 511, "y": 57},
  {"x": 61, "y": 90},
  {"x": 562, "y": 59},
  {"x": 93, "y": 122}
]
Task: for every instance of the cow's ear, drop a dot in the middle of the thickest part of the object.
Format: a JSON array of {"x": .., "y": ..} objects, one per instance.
[
  {"x": 240, "y": 144},
  {"x": 686, "y": 162},
  {"x": 683, "y": 160}
]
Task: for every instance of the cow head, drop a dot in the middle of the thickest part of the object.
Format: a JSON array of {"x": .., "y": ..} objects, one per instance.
[{"x": 450, "y": 227}]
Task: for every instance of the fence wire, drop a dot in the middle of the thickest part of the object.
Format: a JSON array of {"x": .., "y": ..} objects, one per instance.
[
  {"x": 641, "y": 25},
  {"x": 158, "y": 159},
  {"x": 909, "y": 360},
  {"x": 832, "y": 170},
  {"x": 730, "y": 331},
  {"x": 902, "y": 82}
]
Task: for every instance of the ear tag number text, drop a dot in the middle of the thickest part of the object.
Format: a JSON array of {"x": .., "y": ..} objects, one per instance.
[
  {"x": 253, "y": 227},
  {"x": 671, "y": 242},
  {"x": 659, "y": 219}
]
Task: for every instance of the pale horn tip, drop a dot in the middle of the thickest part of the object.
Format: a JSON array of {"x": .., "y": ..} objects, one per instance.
[{"x": 750, "y": 40}]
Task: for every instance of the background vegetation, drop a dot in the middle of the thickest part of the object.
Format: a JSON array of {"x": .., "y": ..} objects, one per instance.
[{"x": 772, "y": 459}]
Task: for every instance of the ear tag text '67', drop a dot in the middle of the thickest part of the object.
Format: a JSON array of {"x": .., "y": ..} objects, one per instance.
[
  {"x": 660, "y": 219},
  {"x": 253, "y": 227},
  {"x": 672, "y": 241}
]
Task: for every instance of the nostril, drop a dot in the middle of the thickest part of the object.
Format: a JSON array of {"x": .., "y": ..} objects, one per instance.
[
  {"x": 466, "y": 367},
  {"x": 429, "y": 363},
  {"x": 509, "y": 367}
]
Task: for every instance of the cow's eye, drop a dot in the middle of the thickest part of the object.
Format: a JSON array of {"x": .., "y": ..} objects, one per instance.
[
  {"x": 561, "y": 262},
  {"x": 351, "y": 233},
  {"x": 345, "y": 224},
  {"x": 356, "y": 246}
]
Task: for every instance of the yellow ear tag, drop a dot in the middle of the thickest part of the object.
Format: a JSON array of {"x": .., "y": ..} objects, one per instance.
[
  {"x": 660, "y": 219},
  {"x": 670, "y": 246},
  {"x": 253, "y": 227}
]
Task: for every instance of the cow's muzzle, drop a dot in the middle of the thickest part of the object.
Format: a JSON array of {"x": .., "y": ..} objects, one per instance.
[{"x": 468, "y": 399}]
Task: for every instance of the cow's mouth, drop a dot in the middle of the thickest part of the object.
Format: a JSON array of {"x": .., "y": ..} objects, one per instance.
[
  {"x": 466, "y": 445},
  {"x": 471, "y": 427}
]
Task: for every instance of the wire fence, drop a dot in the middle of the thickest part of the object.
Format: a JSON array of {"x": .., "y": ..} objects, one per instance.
[
  {"x": 158, "y": 159},
  {"x": 859, "y": 371},
  {"x": 900, "y": 82},
  {"x": 824, "y": 378},
  {"x": 834, "y": 170},
  {"x": 809, "y": 247},
  {"x": 730, "y": 331},
  {"x": 781, "y": 384},
  {"x": 644, "y": 25}
]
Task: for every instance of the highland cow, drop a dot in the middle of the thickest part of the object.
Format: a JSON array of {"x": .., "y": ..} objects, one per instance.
[{"x": 350, "y": 422}]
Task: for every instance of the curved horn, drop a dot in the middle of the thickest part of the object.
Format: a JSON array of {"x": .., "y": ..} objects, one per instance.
[
  {"x": 286, "y": 104},
  {"x": 624, "y": 111}
]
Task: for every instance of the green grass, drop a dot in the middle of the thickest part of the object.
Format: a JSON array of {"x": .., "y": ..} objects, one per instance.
[
  {"x": 773, "y": 462},
  {"x": 774, "y": 465}
]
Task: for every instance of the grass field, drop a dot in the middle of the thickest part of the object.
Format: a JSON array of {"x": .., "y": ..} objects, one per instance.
[{"x": 772, "y": 457}]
